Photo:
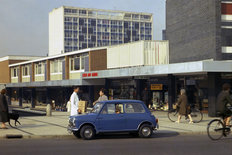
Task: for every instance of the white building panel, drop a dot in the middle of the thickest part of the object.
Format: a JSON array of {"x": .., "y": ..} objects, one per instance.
[
  {"x": 56, "y": 31},
  {"x": 138, "y": 54}
]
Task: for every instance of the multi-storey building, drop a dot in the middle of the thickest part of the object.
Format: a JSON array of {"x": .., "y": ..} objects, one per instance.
[
  {"x": 72, "y": 28},
  {"x": 199, "y": 29}
]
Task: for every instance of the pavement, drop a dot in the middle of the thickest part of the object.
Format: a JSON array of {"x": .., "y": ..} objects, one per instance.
[{"x": 56, "y": 126}]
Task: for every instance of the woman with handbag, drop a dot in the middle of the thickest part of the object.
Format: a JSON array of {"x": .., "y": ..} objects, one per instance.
[{"x": 3, "y": 109}]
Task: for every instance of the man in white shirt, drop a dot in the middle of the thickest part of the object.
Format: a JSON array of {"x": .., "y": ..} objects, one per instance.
[{"x": 74, "y": 101}]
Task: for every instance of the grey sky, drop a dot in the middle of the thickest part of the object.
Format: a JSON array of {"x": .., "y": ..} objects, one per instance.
[{"x": 24, "y": 23}]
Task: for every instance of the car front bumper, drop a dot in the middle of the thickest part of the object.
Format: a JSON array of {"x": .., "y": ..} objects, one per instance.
[{"x": 71, "y": 128}]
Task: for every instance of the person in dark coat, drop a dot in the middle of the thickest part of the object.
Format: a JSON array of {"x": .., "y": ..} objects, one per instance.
[
  {"x": 184, "y": 108},
  {"x": 3, "y": 109},
  {"x": 222, "y": 100}
]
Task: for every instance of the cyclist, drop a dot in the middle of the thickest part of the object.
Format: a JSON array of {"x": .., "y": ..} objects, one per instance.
[{"x": 222, "y": 100}]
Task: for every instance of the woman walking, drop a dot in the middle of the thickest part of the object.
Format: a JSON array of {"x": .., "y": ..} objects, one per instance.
[
  {"x": 184, "y": 107},
  {"x": 3, "y": 109}
]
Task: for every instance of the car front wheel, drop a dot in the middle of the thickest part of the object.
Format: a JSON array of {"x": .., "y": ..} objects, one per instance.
[
  {"x": 145, "y": 131},
  {"x": 87, "y": 132}
]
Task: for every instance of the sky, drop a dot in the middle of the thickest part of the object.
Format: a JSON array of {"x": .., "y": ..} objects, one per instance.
[{"x": 24, "y": 23}]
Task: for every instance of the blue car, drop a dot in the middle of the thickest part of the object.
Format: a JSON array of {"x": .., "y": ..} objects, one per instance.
[{"x": 114, "y": 116}]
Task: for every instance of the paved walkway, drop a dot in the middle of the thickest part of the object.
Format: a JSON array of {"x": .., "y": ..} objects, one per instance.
[{"x": 55, "y": 126}]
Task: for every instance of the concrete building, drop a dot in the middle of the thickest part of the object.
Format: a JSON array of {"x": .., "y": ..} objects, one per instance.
[
  {"x": 199, "y": 30},
  {"x": 73, "y": 28},
  {"x": 4, "y": 67}
]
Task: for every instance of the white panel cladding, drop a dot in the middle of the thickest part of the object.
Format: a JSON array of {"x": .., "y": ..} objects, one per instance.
[
  {"x": 226, "y": 18},
  {"x": 227, "y": 49},
  {"x": 138, "y": 54},
  {"x": 56, "y": 31}
]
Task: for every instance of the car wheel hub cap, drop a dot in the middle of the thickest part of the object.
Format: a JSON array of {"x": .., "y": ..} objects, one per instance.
[
  {"x": 88, "y": 133},
  {"x": 146, "y": 131}
]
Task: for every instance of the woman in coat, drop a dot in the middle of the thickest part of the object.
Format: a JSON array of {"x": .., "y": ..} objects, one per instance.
[
  {"x": 183, "y": 106},
  {"x": 3, "y": 109}
]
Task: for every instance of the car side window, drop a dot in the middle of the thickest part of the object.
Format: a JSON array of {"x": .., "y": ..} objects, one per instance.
[
  {"x": 134, "y": 108},
  {"x": 112, "y": 109}
]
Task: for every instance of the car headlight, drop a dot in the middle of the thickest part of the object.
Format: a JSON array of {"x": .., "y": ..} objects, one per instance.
[{"x": 72, "y": 121}]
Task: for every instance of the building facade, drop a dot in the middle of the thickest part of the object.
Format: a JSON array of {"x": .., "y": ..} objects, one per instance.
[
  {"x": 72, "y": 28},
  {"x": 199, "y": 30},
  {"x": 5, "y": 76}
]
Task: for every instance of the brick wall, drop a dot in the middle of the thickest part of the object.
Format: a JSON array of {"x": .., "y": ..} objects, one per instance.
[
  {"x": 193, "y": 29},
  {"x": 97, "y": 60}
]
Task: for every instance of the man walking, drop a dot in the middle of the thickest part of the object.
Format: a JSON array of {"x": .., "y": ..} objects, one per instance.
[{"x": 74, "y": 101}]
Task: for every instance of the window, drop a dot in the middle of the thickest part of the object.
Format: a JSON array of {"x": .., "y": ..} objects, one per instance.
[
  {"x": 56, "y": 66},
  {"x": 25, "y": 70},
  {"x": 39, "y": 68},
  {"x": 134, "y": 108},
  {"x": 112, "y": 109},
  {"x": 75, "y": 63},
  {"x": 14, "y": 72}
]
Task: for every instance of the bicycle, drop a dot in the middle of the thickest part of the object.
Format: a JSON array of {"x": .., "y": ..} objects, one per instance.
[
  {"x": 196, "y": 114},
  {"x": 216, "y": 129}
]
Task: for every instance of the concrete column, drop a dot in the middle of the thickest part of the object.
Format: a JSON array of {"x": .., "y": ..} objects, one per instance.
[
  {"x": 33, "y": 97},
  {"x": 138, "y": 89},
  {"x": 20, "y": 97},
  {"x": 48, "y": 99},
  {"x": 9, "y": 95},
  {"x": 107, "y": 86},
  {"x": 171, "y": 90},
  {"x": 214, "y": 87},
  {"x": 91, "y": 95}
]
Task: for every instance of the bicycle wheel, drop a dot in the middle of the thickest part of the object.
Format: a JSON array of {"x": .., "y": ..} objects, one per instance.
[
  {"x": 215, "y": 129},
  {"x": 173, "y": 115},
  {"x": 196, "y": 115}
]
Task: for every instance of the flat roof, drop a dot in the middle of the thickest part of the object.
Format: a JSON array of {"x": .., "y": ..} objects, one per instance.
[
  {"x": 103, "y": 10},
  {"x": 59, "y": 56},
  {"x": 19, "y": 57}
]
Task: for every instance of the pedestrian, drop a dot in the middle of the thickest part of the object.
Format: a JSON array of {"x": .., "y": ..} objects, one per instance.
[
  {"x": 3, "y": 109},
  {"x": 102, "y": 96},
  {"x": 184, "y": 108},
  {"x": 145, "y": 96},
  {"x": 74, "y": 101},
  {"x": 222, "y": 100}
]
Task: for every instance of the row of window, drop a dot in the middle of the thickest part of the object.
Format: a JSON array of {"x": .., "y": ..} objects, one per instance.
[{"x": 56, "y": 66}]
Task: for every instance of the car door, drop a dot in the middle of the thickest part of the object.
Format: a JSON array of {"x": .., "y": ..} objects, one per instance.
[
  {"x": 134, "y": 114},
  {"x": 111, "y": 120}
]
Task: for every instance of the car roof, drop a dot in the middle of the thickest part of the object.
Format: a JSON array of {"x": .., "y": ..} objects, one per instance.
[{"x": 121, "y": 101}]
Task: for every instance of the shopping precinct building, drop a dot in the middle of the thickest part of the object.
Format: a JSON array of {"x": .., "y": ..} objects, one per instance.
[
  {"x": 73, "y": 28},
  {"x": 123, "y": 70}
]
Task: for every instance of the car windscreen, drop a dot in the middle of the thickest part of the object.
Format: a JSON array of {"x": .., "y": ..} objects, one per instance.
[{"x": 97, "y": 107}]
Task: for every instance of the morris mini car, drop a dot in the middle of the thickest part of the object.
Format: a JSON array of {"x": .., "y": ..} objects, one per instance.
[{"x": 129, "y": 116}]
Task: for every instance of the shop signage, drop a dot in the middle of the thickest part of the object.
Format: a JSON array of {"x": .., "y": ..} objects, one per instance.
[
  {"x": 156, "y": 86},
  {"x": 89, "y": 74}
]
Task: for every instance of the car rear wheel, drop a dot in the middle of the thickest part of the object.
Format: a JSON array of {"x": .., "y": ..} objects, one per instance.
[
  {"x": 77, "y": 134},
  {"x": 87, "y": 132},
  {"x": 145, "y": 131}
]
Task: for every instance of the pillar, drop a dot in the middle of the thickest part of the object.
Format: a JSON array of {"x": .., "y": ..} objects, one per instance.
[
  {"x": 48, "y": 100},
  {"x": 91, "y": 95},
  {"x": 20, "y": 97},
  {"x": 214, "y": 87},
  {"x": 171, "y": 90},
  {"x": 107, "y": 86},
  {"x": 138, "y": 89},
  {"x": 67, "y": 68},
  {"x": 9, "y": 94},
  {"x": 33, "y": 97}
]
